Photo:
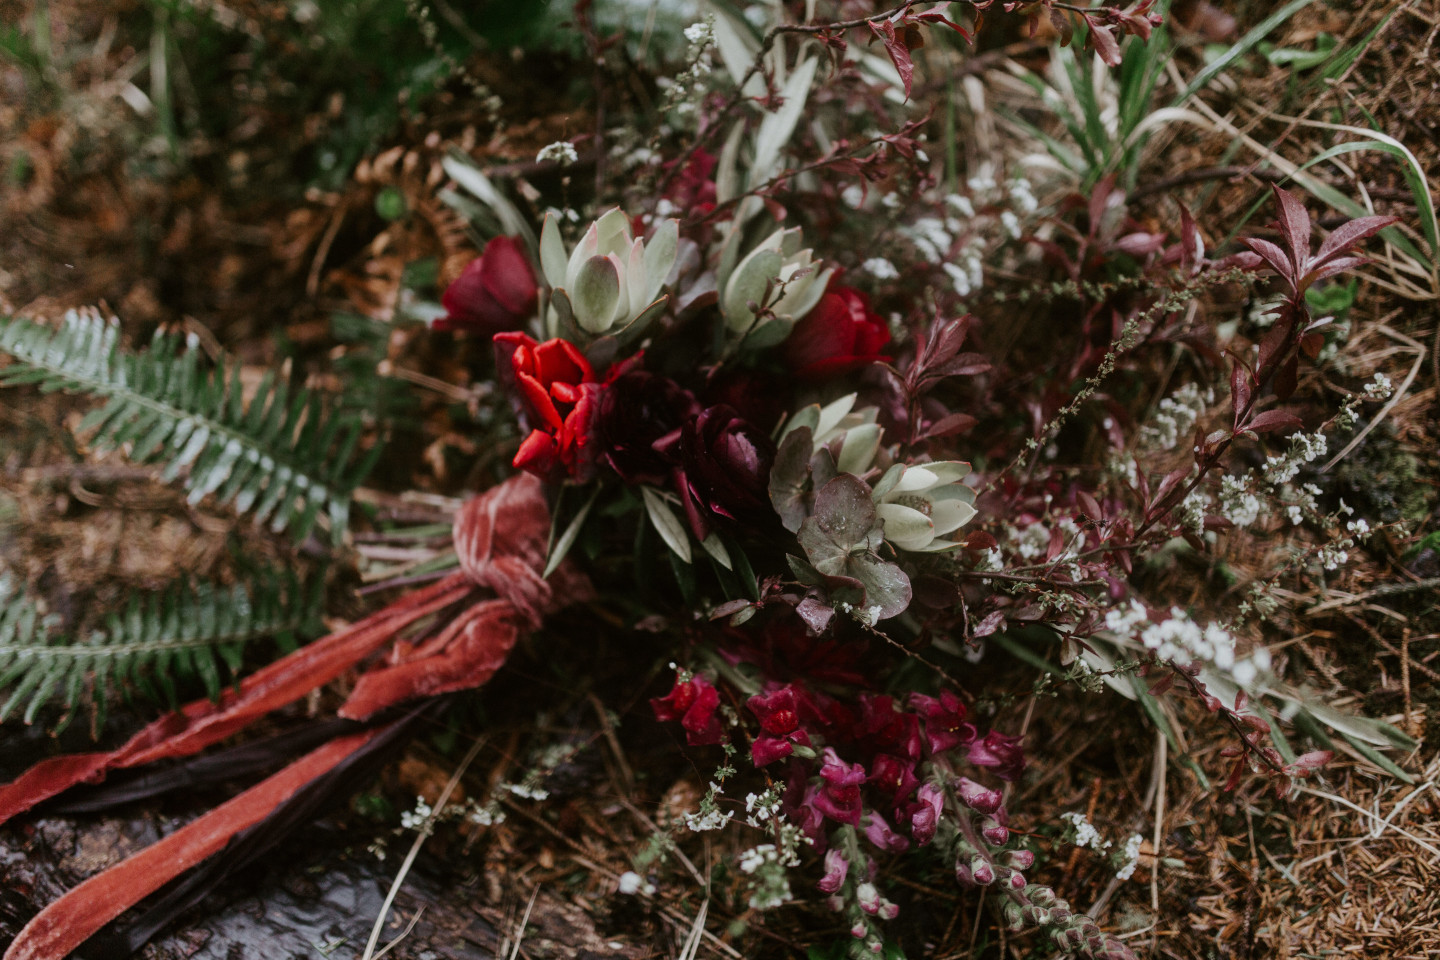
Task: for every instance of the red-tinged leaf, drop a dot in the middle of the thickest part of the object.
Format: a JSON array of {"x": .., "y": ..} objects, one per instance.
[
  {"x": 1287, "y": 378},
  {"x": 1236, "y": 772},
  {"x": 991, "y": 623},
  {"x": 1345, "y": 236},
  {"x": 1232, "y": 751},
  {"x": 1244, "y": 260},
  {"x": 1308, "y": 763},
  {"x": 68, "y": 922},
  {"x": 1057, "y": 544},
  {"x": 1172, "y": 480},
  {"x": 1255, "y": 723},
  {"x": 1090, "y": 507},
  {"x": 948, "y": 426},
  {"x": 1196, "y": 544},
  {"x": 944, "y": 341},
  {"x": 980, "y": 540},
  {"x": 1104, "y": 43},
  {"x": 1273, "y": 342},
  {"x": 1242, "y": 382},
  {"x": 728, "y": 608},
  {"x": 1295, "y": 226},
  {"x": 1060, "y": 22},
  {"x": 964, "y": 365},
  {"x": 1192, "y": 244},
  {"x": 1272, "y": 255},
  {"x": 944, "y": 21},
  {"x": 1242, "y": 700},
  {"x": 1272, "y": 420},
  {"x": 1163, "y": 685},
  {"x": 1217, "y": 523},
  {"x": 1140, "y": 243},
  {"x": 1339, "y": 265},
  {"x": 899, "y": 54},
  {"x": 1311, "y": 343}
]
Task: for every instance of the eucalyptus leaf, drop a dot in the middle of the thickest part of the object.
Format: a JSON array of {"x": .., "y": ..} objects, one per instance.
[{"x": 671, "y": 530}]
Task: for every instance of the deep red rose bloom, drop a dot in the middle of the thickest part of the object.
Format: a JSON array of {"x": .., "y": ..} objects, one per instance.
[
  {"x": 557, "y": 394},
  {"x": 495, "y": 291},
  {"x": 693, "y": 703},
  {"x": 637, "y": 409},
  {"x": 722, "y": 470},
  {"x": 841, "y": 334}
]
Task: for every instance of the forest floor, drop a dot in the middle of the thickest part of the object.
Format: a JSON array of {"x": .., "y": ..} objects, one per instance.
[{"x": 239, "y": 230}]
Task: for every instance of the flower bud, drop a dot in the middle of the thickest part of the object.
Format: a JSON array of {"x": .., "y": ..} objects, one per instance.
[
  {"x": 994, "y": 831},
  {"x": 1020, "y": 859},
  {"x": 859, "y": 930},
  {"x": 1014, "y": 916},
  {"x": 980, "y": 868},
  {"x": 869, "y": 898},
  {"x": 889, "y": 910},
  {"x": 976, "y": 797},
  {"x": 963, "y": 875}
]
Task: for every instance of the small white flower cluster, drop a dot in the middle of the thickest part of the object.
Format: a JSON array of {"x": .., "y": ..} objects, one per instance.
[
  {"x": 1022, "y": 195},
  {"x": 631, "y": 883},
  {"x": 1130, "y": 857},
  {"x": 561, "y": 152},
  {"x": 1379, "y": 388},
  {"x": 880, "y": 268},
  {"x": 1192, "y": 510},
  {"x": 527, "y": 792},
  {"x": 1175, "y": 417},
  {"x": 1304, "y": 447},
  {"x": 991, "y": 560},
  {"x": 769, "y": 885},
  {"x": 930, "y": 237},
  {"x": 1183, "y": 641},
  {"x": 1237, "y": 503},
  {"x": 709, "y": 820},
  {"x": 415, "y": 819},
  {"x": 684, "y": 90},
  {"x": 1332, "y": 556},
  {"x": 1085, "y": 835},
  {"x": 969, "y": 274},
  {"x": 763, "y": 807}
]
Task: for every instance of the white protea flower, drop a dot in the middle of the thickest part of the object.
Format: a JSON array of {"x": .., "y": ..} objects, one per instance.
[
  {"x": 777, "y": 260},
  {"x": 922, "y": 504},
  {"x": 611, "y": 281}
]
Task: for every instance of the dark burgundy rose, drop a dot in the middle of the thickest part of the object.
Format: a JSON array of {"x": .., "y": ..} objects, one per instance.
[
  {"x": 840, "y": 334},
  {"x": 636, "y": 410},
  {"x": 722, "y": 470},
  {"x": 496, "y": 291}
]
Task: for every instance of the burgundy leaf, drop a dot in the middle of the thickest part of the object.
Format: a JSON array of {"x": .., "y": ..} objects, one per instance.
[
  {"x": 1339, "y": 265},
  {"x": 1287, "y": 378},
  {"x": 1162, "y": 685},
  {"x": 1311, "y": 343},
  {"x": 899, "y": 53},
  {"x": 1345, "y": 236},
  {"x": 990, "y": 624},
  {"x": 1309, "y": 762},
  {"x": 1104, "y": 43},
  {"x": 1241, "y": 384},
  {"x": 949, "y": 426},
  {"x": 1295, "y": 225},
  {"x": 1272, "y": 255},
  {"x": 1273, "y": 420},
  {"x": 1089, "y": 506}
]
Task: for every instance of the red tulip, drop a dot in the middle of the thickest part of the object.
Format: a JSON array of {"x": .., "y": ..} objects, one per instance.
[
  {"x": 495, "y": 291},
  {"x": 557, "y": 393},
  {"x": 841, "y": 334}
]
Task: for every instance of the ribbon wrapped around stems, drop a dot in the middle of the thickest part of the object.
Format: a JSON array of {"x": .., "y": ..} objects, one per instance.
[{"x": 500, "y": 537}]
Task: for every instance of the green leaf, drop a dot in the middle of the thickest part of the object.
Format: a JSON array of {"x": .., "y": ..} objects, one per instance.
[
  {"x": 562, "y": 546},
  {"x": 671, "y": 530}
]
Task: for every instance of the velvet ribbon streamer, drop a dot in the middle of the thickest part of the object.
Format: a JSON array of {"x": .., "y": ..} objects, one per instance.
[{"x": 500, "y": 538}]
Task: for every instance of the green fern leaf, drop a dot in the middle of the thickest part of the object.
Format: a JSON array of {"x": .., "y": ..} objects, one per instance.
[
  {"x": 188, "y": 630},
  {"x": 283, "y": 455}
]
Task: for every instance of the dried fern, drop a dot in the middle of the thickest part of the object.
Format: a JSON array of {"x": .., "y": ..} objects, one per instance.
[
  {"x": 189, "y": 630},
  {"x": 282, "y": 455}
]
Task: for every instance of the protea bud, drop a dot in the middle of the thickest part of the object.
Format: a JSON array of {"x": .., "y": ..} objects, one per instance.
[{"x": 610, "y": 283}]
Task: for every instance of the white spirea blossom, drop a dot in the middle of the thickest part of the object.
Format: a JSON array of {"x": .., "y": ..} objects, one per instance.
[
  {"x": 415, "y": 819},
  {"x": 1085, "y": 833},
  {"x": 880, "y": 268},
  {"x": 1175, "y": 417},
  {"x": 1131, "y": 855},
  {"x": 1379, "y": 388},
  {"x": 1304, "y": 448},
  {"x": 1237, "y": 504},
  {"x": 561, "y": 151},
  {"x": 713, "y": 820}
]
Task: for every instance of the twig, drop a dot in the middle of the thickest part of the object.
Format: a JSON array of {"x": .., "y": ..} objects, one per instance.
[
  {"x": 1385, "y": 410},
  {"x": 369, "y": 953}
]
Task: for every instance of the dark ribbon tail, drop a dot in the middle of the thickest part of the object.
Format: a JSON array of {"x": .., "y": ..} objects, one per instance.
[
  {"x": 203, "y": 722},
  {"x": 68, "y": 922}
]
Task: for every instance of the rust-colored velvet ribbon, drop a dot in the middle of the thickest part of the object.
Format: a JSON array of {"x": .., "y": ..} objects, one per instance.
[{"x": 500, "y": 538}]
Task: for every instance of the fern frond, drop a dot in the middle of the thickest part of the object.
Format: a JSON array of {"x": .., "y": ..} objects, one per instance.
[
  {"x": 187, "y": 630},
  {"x": 282, "y": 455}
]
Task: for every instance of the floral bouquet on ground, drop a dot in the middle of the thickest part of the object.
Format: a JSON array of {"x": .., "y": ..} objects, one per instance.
[{"x": 756, "y": 413}]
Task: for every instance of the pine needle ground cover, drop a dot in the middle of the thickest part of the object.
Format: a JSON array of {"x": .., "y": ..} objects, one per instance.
[{"x": 810, "y": 479}]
